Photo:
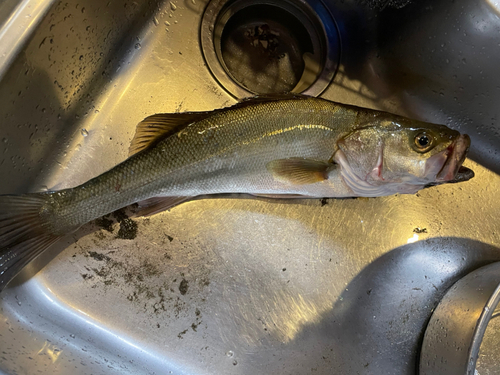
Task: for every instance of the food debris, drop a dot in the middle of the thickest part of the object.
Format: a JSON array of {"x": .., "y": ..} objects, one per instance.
[
  {"x": 183, "y": 286},
  {"x": 420, "y": 230}
]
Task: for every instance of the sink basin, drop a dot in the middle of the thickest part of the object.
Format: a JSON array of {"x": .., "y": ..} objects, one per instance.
[{"x": 232, "y": 285}]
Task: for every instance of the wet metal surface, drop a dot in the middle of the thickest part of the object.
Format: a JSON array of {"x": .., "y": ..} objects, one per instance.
[
  {"x": 241, "y": 286},
  {"x": 457, "y": 326}
]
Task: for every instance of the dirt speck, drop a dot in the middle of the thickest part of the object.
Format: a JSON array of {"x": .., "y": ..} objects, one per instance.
[
  {"x": 105, "y": 223},
  {"x": 420, "y": 230},
  {"x": 182, "y": 333},
  {"x": 324, "y": 202},
  {"x": 128, "y": 227},
  {"x": 204, "y": 282},
  {"x": 149, "y": 269},
  {"x": 98, "y": 256},
  {"x": 183, "y": 286},
  {"x": 170, "y": 238}
]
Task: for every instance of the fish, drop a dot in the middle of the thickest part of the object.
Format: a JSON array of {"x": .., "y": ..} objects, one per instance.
[{"x": 287, "y": 146}]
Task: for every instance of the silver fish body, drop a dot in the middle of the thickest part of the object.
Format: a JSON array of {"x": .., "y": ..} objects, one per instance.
[{"x": 298, "y": 146}]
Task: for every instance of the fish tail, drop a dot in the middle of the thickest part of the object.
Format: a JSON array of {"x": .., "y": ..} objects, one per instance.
[{"x": 25, "y": 232}]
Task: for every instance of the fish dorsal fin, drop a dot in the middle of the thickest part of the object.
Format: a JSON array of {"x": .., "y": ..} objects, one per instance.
[
  {"x": 299, "y": 171},
  {"x": 157, "y": 127}
]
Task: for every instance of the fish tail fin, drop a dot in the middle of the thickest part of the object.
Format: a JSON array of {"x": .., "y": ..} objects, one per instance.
[{"x": 25, "y": 232}]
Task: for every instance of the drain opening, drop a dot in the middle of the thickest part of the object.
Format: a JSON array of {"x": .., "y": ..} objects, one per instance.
[
  {"x": 270, "y": 46},
  {"x": 264, "y": 54}
]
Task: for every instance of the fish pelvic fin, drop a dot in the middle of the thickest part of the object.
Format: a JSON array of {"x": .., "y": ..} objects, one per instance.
[
  {"x": 154, "y": 128},
  {"x": 156, "y": 205},
  {"x": 298, "y": 171},
  {"x": 25, "y": 232}
]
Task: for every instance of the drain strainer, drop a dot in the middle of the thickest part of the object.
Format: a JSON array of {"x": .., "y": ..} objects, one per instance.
[{"x": 270, "y": 46}]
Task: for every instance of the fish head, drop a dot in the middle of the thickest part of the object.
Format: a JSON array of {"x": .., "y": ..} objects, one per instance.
[{"x": 392, "y": 154}]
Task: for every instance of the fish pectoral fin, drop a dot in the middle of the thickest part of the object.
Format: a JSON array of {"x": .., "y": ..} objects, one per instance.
[
  {"x": 156, "y": 205},
  {"x": 298, "y": 171},
  {"x": 157, "y": 127}
]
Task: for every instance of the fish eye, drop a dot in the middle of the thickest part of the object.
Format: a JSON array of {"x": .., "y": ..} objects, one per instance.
[{"x": 423, "y": 142}]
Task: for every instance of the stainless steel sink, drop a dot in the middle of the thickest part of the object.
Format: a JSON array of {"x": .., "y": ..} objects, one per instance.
[{"x": 229, "y": 285}]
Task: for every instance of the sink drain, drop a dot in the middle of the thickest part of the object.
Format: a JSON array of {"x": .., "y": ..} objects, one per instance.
[{"x": 270, "y": 46}]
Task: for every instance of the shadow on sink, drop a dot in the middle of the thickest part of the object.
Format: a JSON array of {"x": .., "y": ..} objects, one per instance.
[{"x": 377, "y": 324}]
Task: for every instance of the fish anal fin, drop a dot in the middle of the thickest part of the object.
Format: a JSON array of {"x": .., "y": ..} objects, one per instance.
[
  {"x": 281, "y": 196},
  {"x": 157, "y": 127},
  {"x": 298, "y": 171},
  {"x": 156, "y": 205}
]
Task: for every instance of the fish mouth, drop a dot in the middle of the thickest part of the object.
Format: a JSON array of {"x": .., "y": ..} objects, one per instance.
[{"x": 455, "y": 155}]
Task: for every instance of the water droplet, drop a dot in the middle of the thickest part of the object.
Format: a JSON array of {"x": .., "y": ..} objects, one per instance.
[
  {"x": 72, "y": 336},
  {"x": 173, "y": 6},
  {"x": 235, "y": 362},
  {"x": 138, "y": 46},
  {"x": 211, "y": 28},
  {"x": 5, "y": 140},
  {"x": 84, "y": 132},
  {"x": 167, "y": 23},
  {"x": 155, "y": 21},
  {"x": 229, "y": 353},
  {"x": 80, "y": 58}
]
